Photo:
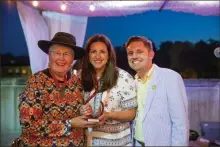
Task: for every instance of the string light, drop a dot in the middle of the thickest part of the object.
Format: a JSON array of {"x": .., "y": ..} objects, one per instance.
[
  {"x": 24, "y": 71},
  {"x": 63, "y": 7},
  {"x": 35, "y": 3},
  {"x": 92, "y": 7}
]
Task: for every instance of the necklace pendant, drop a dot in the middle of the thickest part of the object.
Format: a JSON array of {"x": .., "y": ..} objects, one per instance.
[{"x": 62, "y": 91}]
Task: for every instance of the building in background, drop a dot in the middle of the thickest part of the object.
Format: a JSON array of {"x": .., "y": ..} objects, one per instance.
[{"x": 15, "y": 66}]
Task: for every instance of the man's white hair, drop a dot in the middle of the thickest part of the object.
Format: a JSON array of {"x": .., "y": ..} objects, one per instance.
[{"x": 53, "y": 46}]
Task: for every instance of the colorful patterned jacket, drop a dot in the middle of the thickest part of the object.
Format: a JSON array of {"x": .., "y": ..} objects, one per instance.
[{"x": 44, "y": 115}]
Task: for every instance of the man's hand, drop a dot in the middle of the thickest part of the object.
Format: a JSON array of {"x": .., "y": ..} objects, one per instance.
[{"x": 81, "y": 122}]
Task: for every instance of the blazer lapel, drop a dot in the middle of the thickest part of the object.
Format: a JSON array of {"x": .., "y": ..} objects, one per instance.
[{"x": 151, "y": 91}]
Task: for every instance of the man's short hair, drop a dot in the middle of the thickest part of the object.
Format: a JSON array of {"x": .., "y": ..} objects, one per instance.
[{"x": 145, "y": 40}]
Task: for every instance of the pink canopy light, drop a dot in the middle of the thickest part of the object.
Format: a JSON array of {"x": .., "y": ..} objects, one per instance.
[{"x": 123, "y": 8}]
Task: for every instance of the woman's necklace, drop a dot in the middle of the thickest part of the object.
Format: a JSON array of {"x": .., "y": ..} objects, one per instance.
[{"x": 61, "y": 87}]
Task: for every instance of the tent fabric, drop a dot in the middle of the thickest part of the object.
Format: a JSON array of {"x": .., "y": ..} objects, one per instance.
[{"x": 122, "y": 8}]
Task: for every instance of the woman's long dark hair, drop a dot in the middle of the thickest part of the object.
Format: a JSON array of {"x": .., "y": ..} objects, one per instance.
[{"x": 88, "y": 75}]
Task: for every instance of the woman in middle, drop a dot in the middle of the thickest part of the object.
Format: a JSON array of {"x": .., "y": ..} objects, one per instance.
[{"x": 112, "y": 86}]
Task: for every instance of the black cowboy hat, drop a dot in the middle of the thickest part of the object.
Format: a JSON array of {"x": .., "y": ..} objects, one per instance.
[{"x": 63, "y": 39}]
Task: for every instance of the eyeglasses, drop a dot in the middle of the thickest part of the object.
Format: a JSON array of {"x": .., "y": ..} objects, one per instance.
[{"x": 59, "y": 54}]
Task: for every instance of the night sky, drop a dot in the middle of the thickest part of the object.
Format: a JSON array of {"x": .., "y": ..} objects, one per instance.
[{"x": 158, "y": 26}]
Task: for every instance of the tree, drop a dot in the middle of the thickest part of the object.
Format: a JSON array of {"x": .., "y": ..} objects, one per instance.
[{"x": 162, "y": 56}]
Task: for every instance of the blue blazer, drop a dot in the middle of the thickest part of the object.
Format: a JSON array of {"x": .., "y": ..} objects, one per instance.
[{"x": 165, "y": 121}]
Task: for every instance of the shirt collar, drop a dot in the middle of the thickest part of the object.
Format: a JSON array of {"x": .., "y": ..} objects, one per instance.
[{"x": 146, "y": 77}]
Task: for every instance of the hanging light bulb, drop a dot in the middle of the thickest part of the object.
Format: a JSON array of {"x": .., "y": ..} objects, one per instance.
[
  {"x": 35, "y": 3},
  {"x": 63, "y": 7},
  {"x": 92, "y": 7}
]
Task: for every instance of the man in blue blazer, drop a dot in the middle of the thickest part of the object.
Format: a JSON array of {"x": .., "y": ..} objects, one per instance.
[{"x": 162, "y": 114}]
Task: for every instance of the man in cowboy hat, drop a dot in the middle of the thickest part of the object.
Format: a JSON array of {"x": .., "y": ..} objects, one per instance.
[{"x": 49, "y": 105}]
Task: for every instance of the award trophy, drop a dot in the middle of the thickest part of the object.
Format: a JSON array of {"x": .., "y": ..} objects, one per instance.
[{"x": 97, "y": 106}]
